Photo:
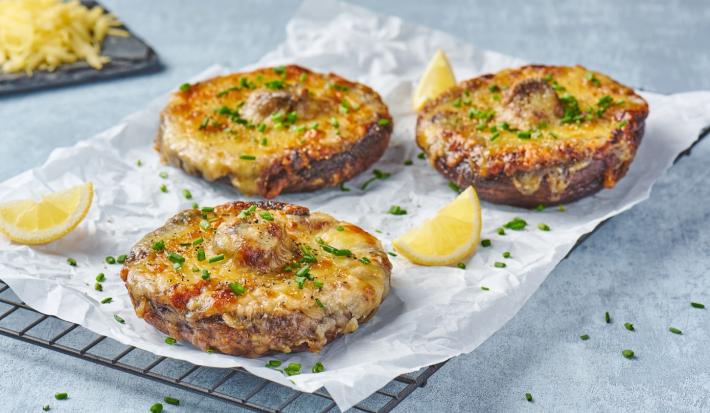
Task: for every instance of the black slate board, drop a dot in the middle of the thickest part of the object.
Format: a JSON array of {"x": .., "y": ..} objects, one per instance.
[{"x": 129, "y": 55}]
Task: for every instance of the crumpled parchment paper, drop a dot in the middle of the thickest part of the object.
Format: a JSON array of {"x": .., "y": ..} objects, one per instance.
[{"x": 432, "y": 313}]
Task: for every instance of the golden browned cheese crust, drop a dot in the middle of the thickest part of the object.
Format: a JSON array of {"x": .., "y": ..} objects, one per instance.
[
  {"x": 275, "y": 130},
  {"x": 255, "y": 278},
  {"x": 534, "y": 135}
]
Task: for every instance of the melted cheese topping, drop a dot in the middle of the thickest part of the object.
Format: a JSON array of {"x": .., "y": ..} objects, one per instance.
[
  {"x": 240, "y": 124},
  {"x": 511, "y": 123}
]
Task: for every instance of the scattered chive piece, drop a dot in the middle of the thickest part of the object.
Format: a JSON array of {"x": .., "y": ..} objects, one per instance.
[
  {"x": 45, "y": 407},
  {"x": 319, "y": 303},
  {"x": 584, "y": 337},
  {"x": 279, "y": 70},
  {"x": 293, "y": 369},
  {"x": 156, "y": 408},
  {"x": 506, "y": 254},
  {"x": 267, "y": 216},
  {"x": 454, "y": 187},
  {"x": 139, "y": 163},
  {"x": 187, "y": 194},
  {"x": 171, "y": 400},
  {"x": 110, "y": 260},
  {"x": 697, "y": 305},
  {"x": 237, "y": 288},
  {"x": 247, "y": 157},
  {"x": 198, "y": 241},
  {"x": 408, "y": 162},
  {"x": 517, "y": 224},
  {"x": 607, "y": 317},
  {"x": 101, "y": 277},
  {"x": 216, "y": 258},
  {"x": 247, "y": 212},
  {"x": 119, "y": 319},
  {"x": 159, "y": 245},
  {"x": 484, "y": 288},
  {"x": 378, "y": 174},
  {"x": 562, "y": 208},
  {"x": 421, "y": 155},
  {"x": 540, "y": 208},
  {"x": 485, "y": 243},
  {"x": 170, "y": 341},
  {"x": 71, "y": 261},
  {"x": 364, "y": 260},
  {"x": 163, "y": 188},
  {"x": 392, "y": 253},
  {"x": 207, "y": 209},
  {"x": 205, "y": 275},
  {"x": 383, "y": 122},
  {"x": 499, "y": 264},
  {"x": 61, "y": 396},
  {"x": 98, "y": 287},
  {"x": 204, "y": 123},
  {"x": 318, "y": 284},
  {"x": 500, "y": 231},
  {"x": 175, "y": 257},
  {"x": 397, "y": 210},
  {"x": 674, "y": 330},
  {"x": 461, "y": 265},
  {"x": 273, "y": 363},
  {"x": 121, "y": 258},
  {"x": 107, "y": 300},
  {"x": 343, "y": 188},
  {"x": 201, "y": 255},
  {"x": 184, "y": 87},
  {"x": 528, "y": 397},
  {"x": 543, "y": 227},
  {"x": 629, "y": 326},
  {"x": 629, "y": 354},
  {"x": 318, "y": 367},
  {"x": 524, "y": 135},
  {"x": 163, "y": 175},
  {"x": 339, "y": 228}
]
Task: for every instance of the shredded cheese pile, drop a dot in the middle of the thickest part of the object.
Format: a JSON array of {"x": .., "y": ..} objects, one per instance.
[{"x": 44, "y": 34}]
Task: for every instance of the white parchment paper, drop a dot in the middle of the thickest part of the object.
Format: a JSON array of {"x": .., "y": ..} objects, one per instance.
[{"x": 432, "y": 314}]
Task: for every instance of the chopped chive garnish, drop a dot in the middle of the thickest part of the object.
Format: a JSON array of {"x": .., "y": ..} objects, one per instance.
[
  {"x": 201, "y": 254},
  {"x": 607, "y": 317},
  {"x": 629, "y": 326},
  {"x": 318, "y": 284},
  {"x": 121, "y": 258},
  {"x": 139, "y": 163},
  {"x": 584, "y": 337},
  {"x": 175, "y": 257},
  {"x": 247, "y": 157},
  {"x": 343, "y": 188},
  {"x": 292, "y": 369},
  {"x": 119, "y": 319},
  {"x": 391, "y": 253},
  {"x": 110, "y": 260},
  {"x": 61, "y": 396},
  {"x": 485, "y": 243},
  {"x": 207, "y": 209},
  {"x": 454, "y": 187},
  {"x": 237, "y": 288},
  {"x": 484, "y": 288},
  {"x": 378, "y": 174},
  {"x": 674, "y": 330},
  {"x": 540, "y": 208},
  {"x": 170, "y": 341},
  {"x": 494, "y": 88},
  {"x": 279, "y": 70},
  {"x": 421, "y": 155},
  {"x": 216, "y": 258},
  {"x": 318, "y": 367},
  {"x": 273, "y": 363},
  {"x": 319, "y": 303},
  {"x": 499, "y": 264},
  {"x": 408, "y": 162},
  {"x": 629, "y": 354},
  {"x": 528, "y": 397},
  {"x": 163, "y": 188},
  {"x": 275, "y": 84},
  {"x": 171, "y": 400},
  {"x": 397, "y": 210},
  {"x": 45, "y": 407},
  {"x": 247, "y": 212},
  {"x": 524, "y": 135},
  {"x": 543, "y": 227},
  {"x": 187, "y": 194},
  {"x": 98, "y": 287},
  {"x": 335, "y": 251},
  {"x": 267, "y": 216},
  {"x": 562, "y": 208},
  {"x": 506, "y": 254},
  {"x": 163, "y": 175},
  {"x": 205, "y": 275},
  {"x": 340, "y": 228},
  {"x": 184, "y": 87},
  {"x": 364, "y": 260},
  {"x": 156, "y": 408},
  {"x": 198, "y": 241},
  {"x": 697, "y": 305},
  {"x": 107, "y": 300},
  {"x": 383, "y": 122},
  {"x": 71, "y": 261},
  {"x": 159, "y": 245},
  {"x": 517, "y": 224},
  {"x": 461, "y": 265},
  {"x": 100, "y": 277},
  {"x": 500, "y": 231}
]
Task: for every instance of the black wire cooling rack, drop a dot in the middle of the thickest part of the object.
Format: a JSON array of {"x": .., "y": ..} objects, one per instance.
[{"x": 235, "y": 386}]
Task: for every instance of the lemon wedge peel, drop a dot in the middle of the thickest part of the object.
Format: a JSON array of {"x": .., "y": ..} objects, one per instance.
[
  {"x": 450, "y": 237},
  {"x": 49, "y": 219},
  {"x": 438, "y": 77}
]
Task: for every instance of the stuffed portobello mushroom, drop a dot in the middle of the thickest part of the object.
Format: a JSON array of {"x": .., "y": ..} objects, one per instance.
[
  {"x": 274, "y": 130},
  {"x": 534, "y": 135}
]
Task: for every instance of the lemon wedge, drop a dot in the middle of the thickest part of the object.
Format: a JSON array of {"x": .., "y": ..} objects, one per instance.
[
  {"x": 438, "y": 77},
  {"x": 38, "y": 222},
  {"x": 448, "y": 238}
]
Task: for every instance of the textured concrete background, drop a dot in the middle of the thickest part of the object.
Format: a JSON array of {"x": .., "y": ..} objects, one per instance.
[{"x": 644, "y": 266}]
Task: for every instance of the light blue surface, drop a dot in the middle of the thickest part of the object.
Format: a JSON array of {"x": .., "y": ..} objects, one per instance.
[{"x": 643, "y": 266}]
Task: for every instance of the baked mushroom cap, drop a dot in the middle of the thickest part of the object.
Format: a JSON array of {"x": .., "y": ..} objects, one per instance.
[
  {"x": 534, "y": 135},
  {"x": 275, "y": 130},
  {"x": 255, "y": 278}
]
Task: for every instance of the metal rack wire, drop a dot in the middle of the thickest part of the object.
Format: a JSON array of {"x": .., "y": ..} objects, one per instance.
[{"x": 234, "y": 385}]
